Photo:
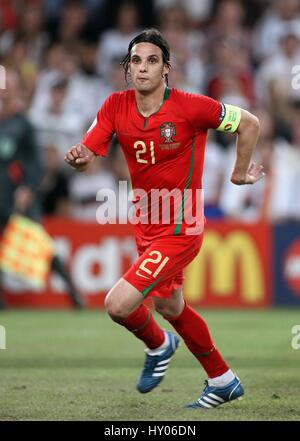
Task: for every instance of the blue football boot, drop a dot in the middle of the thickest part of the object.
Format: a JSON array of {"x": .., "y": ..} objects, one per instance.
[
  {"x": 212, "y": 396},
  {"x": 156, "y": 366}
]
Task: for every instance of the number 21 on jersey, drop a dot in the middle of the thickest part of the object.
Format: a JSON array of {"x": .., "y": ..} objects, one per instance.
[{"x": 141, "y": 150}]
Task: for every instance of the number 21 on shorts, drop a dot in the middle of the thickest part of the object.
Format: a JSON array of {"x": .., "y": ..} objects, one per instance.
[{"x": 157, "y": 259}]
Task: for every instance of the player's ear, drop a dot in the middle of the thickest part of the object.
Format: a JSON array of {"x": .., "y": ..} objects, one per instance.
[
  {"x": 166, "y": 70},
  {"x": 128, "y": 76}
]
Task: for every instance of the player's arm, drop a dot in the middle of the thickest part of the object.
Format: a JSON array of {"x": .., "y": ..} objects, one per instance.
[
  {"x": 207, "y": 113},
  {"x": 246, "y": 126},
  {"x": 97, "y": 139},
  {"x": 79, "y": 157},
  {"x": 245, "y": 172}
]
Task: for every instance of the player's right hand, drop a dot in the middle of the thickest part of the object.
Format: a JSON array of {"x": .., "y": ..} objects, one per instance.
[{"x": 79, "y": 157}]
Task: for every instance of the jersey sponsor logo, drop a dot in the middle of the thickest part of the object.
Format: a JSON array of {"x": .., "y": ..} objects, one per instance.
[
  {"x": 141, "y": 275},
  {"x": 167, "y": 131}
]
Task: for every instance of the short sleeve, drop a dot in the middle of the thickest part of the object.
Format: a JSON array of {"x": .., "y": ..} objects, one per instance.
[
  {"x": 98, "y": 137},
  {"x": 204, "y": 112}
]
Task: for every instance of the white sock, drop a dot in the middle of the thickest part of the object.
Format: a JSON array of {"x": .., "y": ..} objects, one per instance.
[
  {"x": 161, "y": 348},
  {"x": 222, "y": 380}
]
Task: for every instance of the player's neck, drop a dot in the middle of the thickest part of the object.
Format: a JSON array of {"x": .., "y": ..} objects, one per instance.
[{"x": 148, "y": 104}]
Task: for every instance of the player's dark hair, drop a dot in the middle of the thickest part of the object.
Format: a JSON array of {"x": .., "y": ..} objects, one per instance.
[{"x": 148, "y": 36}]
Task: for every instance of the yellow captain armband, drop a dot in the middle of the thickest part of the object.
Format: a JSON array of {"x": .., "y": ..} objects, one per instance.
[{"x": 230, "y": 118}]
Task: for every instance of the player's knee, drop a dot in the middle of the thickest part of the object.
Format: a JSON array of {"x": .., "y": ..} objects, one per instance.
[
  {"x": 115, "y": 309},
  {"x": 110, "y": 306},
  {"x": 161, "y": 309},
  {"x": 168, "y": 311}
]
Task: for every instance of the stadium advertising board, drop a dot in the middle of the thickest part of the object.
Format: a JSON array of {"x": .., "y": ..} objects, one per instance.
[
  {"x": 233, "y": 268},
  {"x": 287, "y": 264}
]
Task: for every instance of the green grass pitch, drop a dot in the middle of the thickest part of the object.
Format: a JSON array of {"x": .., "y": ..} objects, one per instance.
[{"x": 81, "y": 366}]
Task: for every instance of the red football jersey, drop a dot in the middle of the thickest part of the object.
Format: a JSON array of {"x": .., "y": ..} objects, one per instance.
[{"x": 164, "y": 151}]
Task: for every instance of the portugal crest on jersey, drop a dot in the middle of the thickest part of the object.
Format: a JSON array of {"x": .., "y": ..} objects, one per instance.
[{"x": 167, "y": 131}]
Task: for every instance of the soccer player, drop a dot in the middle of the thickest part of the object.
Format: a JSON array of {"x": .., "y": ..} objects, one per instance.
[{"x": 162, "y": 132}]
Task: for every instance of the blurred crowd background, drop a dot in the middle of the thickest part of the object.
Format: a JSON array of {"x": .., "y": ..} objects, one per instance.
[{"x": 62, "y": 59}]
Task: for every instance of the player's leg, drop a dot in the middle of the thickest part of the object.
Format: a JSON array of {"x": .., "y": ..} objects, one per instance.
[
  {"x": 195, "y": 333},
  {"x": 152, "y": 273},
  {"x": 124, "y": 304}
]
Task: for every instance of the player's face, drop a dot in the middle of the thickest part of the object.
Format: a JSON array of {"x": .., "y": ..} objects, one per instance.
[{"x": 146, "y": 67}]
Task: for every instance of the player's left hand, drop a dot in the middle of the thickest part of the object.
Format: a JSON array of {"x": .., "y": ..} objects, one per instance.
[{"x": 255, "y": 173}]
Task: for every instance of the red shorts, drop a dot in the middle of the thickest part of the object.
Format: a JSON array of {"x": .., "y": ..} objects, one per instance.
[{"x": 159, "y": 267}]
